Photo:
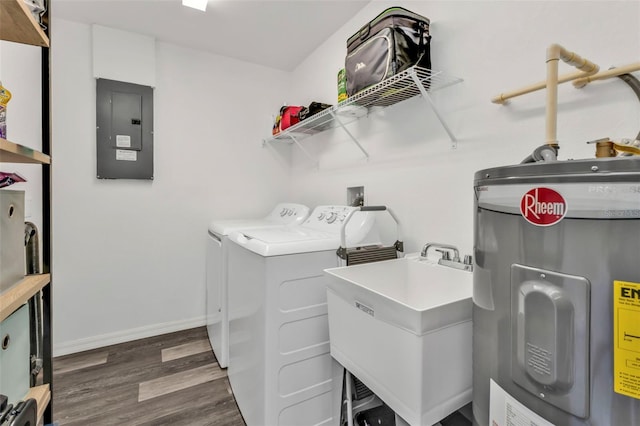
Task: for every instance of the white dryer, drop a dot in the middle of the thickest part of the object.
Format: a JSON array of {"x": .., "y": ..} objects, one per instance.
[
  {"x": 280, "y": 367},
  {"x": 216, "y": 269}
]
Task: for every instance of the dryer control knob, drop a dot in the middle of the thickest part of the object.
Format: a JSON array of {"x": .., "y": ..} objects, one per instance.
[
  {"x": 321, "y": 216},
  {"x": 332, "y": 217},
  {"x": 283, "y": 212}
]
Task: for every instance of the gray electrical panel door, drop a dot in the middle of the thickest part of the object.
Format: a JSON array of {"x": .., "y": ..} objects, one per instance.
[{"x": 124, "y": 130}]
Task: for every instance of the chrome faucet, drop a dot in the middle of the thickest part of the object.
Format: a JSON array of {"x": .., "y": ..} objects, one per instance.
[
  {"x": 446, "y": 260},
  {"x": 442, "y": 247}
]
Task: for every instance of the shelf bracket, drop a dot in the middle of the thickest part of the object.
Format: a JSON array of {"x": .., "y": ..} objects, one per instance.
[
  {"x": 306, "y": 153},
  {"x": 341, "y": 124},
  {"x": 427, "y": 97},
  {"x": 309, "y": 156}
]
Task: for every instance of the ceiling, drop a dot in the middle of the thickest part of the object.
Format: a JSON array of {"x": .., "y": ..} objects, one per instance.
[{"x": 275, "y": 33}]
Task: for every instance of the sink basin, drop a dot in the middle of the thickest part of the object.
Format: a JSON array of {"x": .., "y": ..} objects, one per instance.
[
  {"x": 413, "y": 294},
  {"x": 403, "y": 327}
]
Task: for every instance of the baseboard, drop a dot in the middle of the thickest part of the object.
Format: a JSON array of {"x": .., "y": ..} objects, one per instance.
[{"x": 94, "y": 342}]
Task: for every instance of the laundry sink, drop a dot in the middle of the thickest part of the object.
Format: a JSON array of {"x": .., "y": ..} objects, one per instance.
[{"x": 403, "y": 327}]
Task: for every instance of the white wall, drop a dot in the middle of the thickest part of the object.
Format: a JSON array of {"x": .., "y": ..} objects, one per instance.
[
  {"x": 114, "y": 51},
  {"x": 495, "y": 46},
  {"x": 128, "y": 254}
]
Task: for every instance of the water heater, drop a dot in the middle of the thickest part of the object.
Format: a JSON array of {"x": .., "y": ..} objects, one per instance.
[{"x": 556, "y": 315}]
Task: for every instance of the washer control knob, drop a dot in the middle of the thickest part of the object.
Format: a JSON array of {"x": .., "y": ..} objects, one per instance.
[
  {"x": 332, "y": 217},
  {"x": 283, "y": 212},
  {"x": 290, "y": 212},
  {"x": 321, "y": 216}
]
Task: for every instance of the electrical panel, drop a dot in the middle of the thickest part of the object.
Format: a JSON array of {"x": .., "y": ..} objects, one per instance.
[{"x": 124, "y": 130}]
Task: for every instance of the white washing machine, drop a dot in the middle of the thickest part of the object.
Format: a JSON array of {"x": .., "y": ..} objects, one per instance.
[
  {"x": 216, "y": 269},
  {"x": 280, "y": 368}
]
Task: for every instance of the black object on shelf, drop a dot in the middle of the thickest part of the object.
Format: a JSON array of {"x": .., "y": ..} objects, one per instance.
[
  {"x": 24, "y": 413},
  {"x": 392, "y": 42}
]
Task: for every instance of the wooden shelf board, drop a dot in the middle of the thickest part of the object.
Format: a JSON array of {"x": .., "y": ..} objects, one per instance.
[
  {"x": 20, "y": 293},
  {"x": 18, "y": 25},
  {"x": 41, "y": 394},
  {"x": 11, "y": 152}
]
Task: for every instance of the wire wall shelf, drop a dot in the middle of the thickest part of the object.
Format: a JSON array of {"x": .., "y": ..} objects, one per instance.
[{"x": 405, "y": 85}]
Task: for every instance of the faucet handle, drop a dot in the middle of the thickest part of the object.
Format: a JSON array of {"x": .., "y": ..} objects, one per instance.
[
  {"x": 468, "y": 259},
  {"x": 445, "y": 254}
]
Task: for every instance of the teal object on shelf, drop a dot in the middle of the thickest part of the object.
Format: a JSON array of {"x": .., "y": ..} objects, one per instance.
[{"x": 15, "y": 364}]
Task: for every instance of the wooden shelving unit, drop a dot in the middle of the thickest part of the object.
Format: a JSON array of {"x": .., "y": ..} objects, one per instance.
[
  {"x": 19, "y": 26},
  {"x": 15, "y": 153},
  {"x": 20, "y": 293}
]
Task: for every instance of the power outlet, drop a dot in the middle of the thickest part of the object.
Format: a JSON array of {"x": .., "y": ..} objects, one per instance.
[{"x": 355, "y": 196}]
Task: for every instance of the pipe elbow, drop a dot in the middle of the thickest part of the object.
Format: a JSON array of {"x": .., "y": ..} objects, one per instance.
[
  {"x": 577, "y": 61},
  {"x": 553, "y": 52},
  {"x": 589, "y": 68},
  {"x": 581, "y": 82},
  {"x": 557, "y": 52}
]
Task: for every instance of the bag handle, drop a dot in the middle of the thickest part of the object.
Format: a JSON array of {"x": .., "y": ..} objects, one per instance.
[
  {"x": 364, "y": 31},
  {"x": 422, "y": 28}
]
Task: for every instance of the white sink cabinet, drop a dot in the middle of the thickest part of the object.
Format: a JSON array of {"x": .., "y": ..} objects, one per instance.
[{"x": 403, "y": 327}]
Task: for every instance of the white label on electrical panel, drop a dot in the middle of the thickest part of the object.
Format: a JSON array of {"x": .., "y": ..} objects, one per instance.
[
  {"x": 123, "y": 141},
  {"x": 505, "y": 410},
  {"x": 126, "y": 155}
]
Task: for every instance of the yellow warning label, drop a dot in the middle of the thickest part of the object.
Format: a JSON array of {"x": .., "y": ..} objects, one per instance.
[{"x": 626, "y": 336}]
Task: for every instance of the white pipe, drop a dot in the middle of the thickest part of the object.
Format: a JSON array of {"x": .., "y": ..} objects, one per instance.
[
  {"x": 587, "y": 68},
  {"x": 614, "y": 72},
  {"x": 555, "y": 52},
  {"x": 349, "y": 401},
  {"x": 503, "y": 97},
  {"x": 551, "y": 119},
  {"x": 572, "y": 58},
  {"x": 579, "y": 81}
]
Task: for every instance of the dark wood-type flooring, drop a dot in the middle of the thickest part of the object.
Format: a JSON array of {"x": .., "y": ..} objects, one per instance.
[{"x": 173, "y": 379}]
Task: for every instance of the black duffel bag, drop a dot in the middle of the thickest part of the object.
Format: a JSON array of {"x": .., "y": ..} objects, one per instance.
[
  {"x": 395, "y": 40},
  {"x": 313, "y": 109}
]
